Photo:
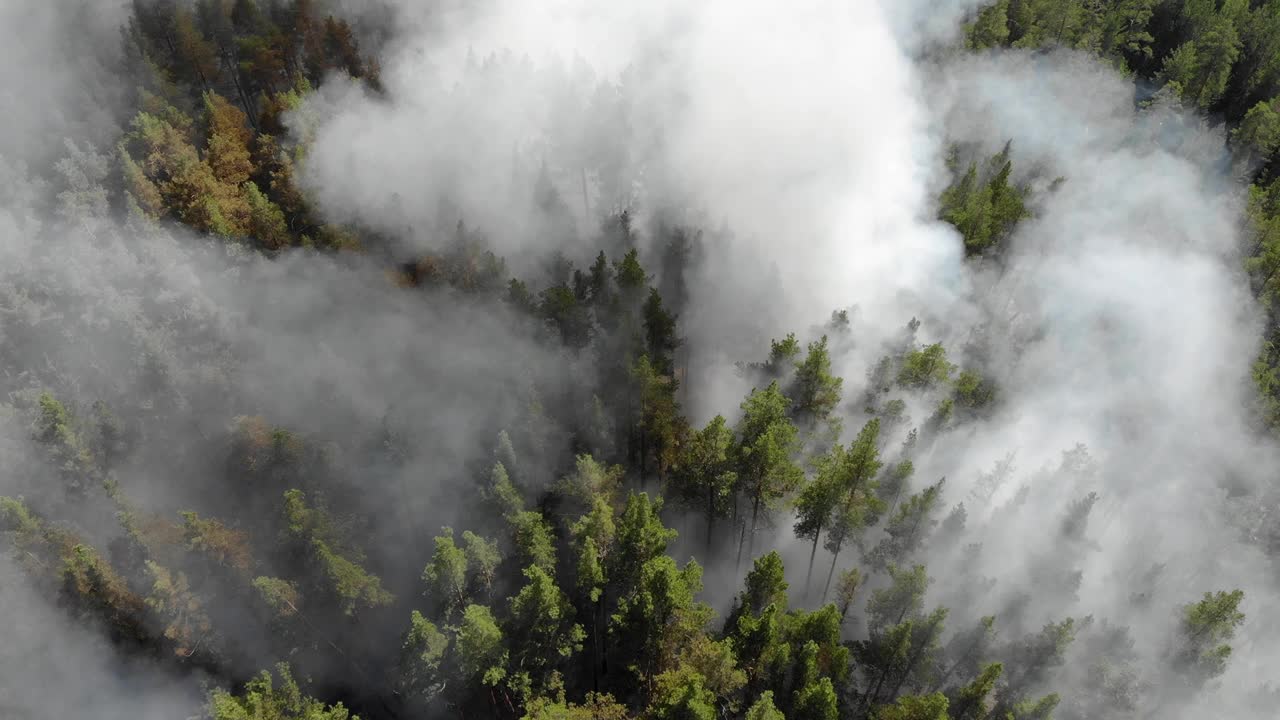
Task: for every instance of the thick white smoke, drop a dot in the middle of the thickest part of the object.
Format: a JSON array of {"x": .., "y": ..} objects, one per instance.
[
  {"x": 815, "y": 134},
  {"x": 801, "y": 128}
]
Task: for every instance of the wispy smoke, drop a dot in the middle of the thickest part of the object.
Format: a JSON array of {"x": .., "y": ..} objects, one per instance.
[
  {"x": 1119, "y": 317},
  {"x": 809, "y": 140}
]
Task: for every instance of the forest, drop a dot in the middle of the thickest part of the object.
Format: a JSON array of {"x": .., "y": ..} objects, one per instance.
[{"x": 867, "y": 360}]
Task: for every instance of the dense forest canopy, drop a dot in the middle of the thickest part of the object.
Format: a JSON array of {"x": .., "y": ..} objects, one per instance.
[{"x": 883, "y": 360}]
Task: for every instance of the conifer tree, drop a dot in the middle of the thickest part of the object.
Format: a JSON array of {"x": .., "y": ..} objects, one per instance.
[{"x": 767, "y": 446}]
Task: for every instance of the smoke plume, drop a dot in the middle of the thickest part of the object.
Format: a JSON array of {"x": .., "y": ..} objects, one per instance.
[{"x": 809, "y": 140}]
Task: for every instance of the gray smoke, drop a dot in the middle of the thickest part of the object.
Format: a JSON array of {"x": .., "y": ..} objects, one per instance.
[
  {"x": 1119, "y": 318},
  {"x": 809, "y": 140}
]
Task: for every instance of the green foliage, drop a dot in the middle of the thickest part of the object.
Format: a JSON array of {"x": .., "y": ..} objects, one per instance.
[
  {"x": 592, "y": 479},
  {"x": 1207, "y": 626},
  {"x": 1259, "y": 130},
  {"x": 280, "y": 595},
  {"x": 17, "y": 520},
  {"x": 660, "y": 425},
  {"x": 853, "y": 472},
  {"x": 641, "y": 537},
  {"x": 909, "y": 528},
  {"x": 991, "y": 28},
  {"x": 682, "y": 695},
  {"x": 541, "y": 632},
  {"x": 765, "y": 585},
  {"x": 481, "y": 656},
  {"x": 717, "y": 663},
  {"x": 266, "y": 220},
  {"x": 446, "y": 575},
  {"x": 263, "y": 700},
  {"x": 503, "y": 493},
  {"x": 1201, "y": 68},
  {"x": 971, "y": 701},
  {"x": 656, "y": 617},
  {"x": 660, "y": 333},
  {"x": 629, "y": 274},
  {"x": 764, "y": 709},
  {"x": 1029, "y": 662},
  {"x": 339, "y": 573},
  {"x": 422, "y": 659},
  {"x": 816, "y": 642},
  {"x": 925, "y": 368},
  {"x": 566, "y": 315},
  {"x": 768, "y": 443},
  {"x": 534, "y": 543},
  {"x": 353, "y": 585},
  {"x": 915, "y": 707},
  {"x": 482, "y": 562},
  {"x": 56, "y": 429},
  {"x": 1116, "y": 31},
  {"x": 225, "y": 546},
  {"x": 590, "y": 569},
  {"x": 817, "y": 700},
  {"x": 782, "y": 356},
  {"x": 816, "y": 392},
  {"x": 704, "y": 477},
  {"x": 973, "y": 392},
  {"x": 984, "y": 206},
  {"x": 596, "y": 707},
  {"x": 186, "y": 624},
  {"x": 902, "y": 599},
  {"x": 1041, "y": 709},
  {"x": 847, "y": 587},
  {"x": 815, "y": 506},
  {"x": 93, "y": 590}
]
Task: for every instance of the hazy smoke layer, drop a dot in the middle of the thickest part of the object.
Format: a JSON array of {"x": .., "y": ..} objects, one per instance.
[
  {"x": 810, "y": 138},
  {"x": 1123, "y": 322},
  {"x": 52, "y": 87},
  {"x": 1119, "y": 318},
  {"x": 800, "y": 128},
  {"x": 52, "y": 669}
]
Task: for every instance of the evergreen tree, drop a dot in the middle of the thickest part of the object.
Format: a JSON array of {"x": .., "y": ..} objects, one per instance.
[
  {"x": 704, "y": 477},
  {"x": 767, "y": 445},
  {"x": 1202, "y": 648},
  {"x": 853, "y": 472}
]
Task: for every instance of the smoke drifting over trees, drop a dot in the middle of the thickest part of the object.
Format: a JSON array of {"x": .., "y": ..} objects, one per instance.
[{"x": 648, "y": 359}]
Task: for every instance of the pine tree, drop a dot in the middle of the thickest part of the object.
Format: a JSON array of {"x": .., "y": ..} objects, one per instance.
[
  {"x": 540, "y": 632},
  {"x": 816, "y": 391},
  {"x": 767, "y": 445},
  {"x": 445, "y": 576},
  {"x": 908, "y": 529},
  {"x": 853, "y": 471},
  {"x": 704, "y": 477},
  {"x": 262, "y": 700},
  {"x": 1202, "y": 648},
  {"x": 422, "y": 661}
]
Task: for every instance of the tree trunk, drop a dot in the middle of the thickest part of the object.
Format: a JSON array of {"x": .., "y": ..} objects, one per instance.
[
  {"x": 742, "y": 540},
  {"x": 915, "y": 658},
  {"x": 808, "y": 577},
  {"x": 872, "y": 693},
  {"x": 894, "y": 505},
  {"x": 595, "y": 647},
  {"x": 755, "y": 514},
  {"x": 249, "y": 111},
  {"x": 951, "y": 670},
  {"x": 600, "y": 616},
  {"x": 831, "y": 573},
  {"x": 711, "y": 518}
]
